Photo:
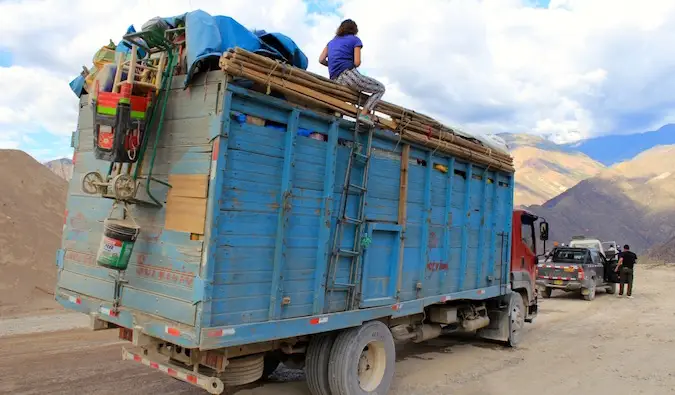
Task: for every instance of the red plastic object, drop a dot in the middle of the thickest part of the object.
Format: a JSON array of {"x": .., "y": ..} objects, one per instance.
[{"x": 110, "y": 100}]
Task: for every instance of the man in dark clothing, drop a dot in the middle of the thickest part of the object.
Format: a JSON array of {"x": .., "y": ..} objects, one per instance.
[{"x": 625, "y": 268}]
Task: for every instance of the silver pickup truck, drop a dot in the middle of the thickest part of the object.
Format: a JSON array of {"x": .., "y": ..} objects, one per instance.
[{"x": 576, "y": 269}]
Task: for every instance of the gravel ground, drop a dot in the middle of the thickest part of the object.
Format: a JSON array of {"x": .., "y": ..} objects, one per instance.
[{"x": 611, "y": 345}]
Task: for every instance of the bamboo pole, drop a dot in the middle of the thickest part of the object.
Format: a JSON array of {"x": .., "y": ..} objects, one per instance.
[
  {"x": 309, "y": 88},
  {"x": 421, "y": 122}
]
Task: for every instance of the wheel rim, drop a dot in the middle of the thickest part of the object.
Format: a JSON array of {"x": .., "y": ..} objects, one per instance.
[
  {"x": 517, "y": 320},
  {"x": 371, "y": 367}
]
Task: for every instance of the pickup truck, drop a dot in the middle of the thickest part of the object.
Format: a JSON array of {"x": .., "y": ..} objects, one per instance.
[{"x": 576, "y": 269}]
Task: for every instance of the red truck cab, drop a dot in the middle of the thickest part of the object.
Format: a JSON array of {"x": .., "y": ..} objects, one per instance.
[{"x": 524, "y": 256}]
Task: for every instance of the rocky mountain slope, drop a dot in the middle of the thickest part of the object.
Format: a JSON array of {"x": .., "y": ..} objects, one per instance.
[
  {"x": 32, "y": 205},
  {"x": 544, "y": 169},
  {"x": 613, "y": 149},
  {"x": 632, "y": 202},
  {"x": 61, "y": 167}
]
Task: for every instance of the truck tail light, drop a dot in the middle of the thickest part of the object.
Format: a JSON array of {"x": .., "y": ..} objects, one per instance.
[{"x": 580, "y": 273}]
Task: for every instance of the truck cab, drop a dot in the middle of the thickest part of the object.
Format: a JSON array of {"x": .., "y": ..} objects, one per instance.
[{"x": 524, "y": 255}]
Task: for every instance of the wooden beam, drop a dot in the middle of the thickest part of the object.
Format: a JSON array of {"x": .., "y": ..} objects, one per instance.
[{"x": 402, "y": 214}]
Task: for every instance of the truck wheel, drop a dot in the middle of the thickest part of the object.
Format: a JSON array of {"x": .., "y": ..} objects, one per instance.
[
  {"x": 243, "y": 370},
  {"x": 362, "y": 361},
  {"x": 516, "y": 319},
  {"x": 590, "y": 294},
  {"x": 316, "y": 366},
  {"x": 546, "y": 293},
  {"x": 611, "y": 289}
]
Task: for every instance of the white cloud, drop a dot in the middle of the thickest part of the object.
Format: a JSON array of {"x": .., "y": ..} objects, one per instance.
[{"x": 574, "y": 70}]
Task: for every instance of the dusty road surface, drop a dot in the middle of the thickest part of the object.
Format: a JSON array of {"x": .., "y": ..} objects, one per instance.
[{"x": 610, "y": 345}]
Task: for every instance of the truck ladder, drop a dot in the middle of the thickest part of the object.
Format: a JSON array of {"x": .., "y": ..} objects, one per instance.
[{"x": 358, "y": 157}]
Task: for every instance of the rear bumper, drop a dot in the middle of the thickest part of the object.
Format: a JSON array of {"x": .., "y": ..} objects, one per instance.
[
  {"x": 211, "y": 384},
  {"x": 566, "y": 286},
  {"x": 101, "y": 311}
]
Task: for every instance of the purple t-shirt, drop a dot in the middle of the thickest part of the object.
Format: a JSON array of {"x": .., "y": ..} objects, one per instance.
[{"x": 341, "y": 54}]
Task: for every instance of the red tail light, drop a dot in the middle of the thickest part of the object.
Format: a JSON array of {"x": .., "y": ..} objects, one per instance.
[{"x": 581, "y": 273}]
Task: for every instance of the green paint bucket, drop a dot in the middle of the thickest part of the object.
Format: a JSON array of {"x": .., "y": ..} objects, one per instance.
[{"x": 117, "y": 243}]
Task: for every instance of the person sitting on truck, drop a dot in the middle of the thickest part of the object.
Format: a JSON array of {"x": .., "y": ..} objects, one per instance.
[
  {"x": 342, "y": 56},
  {"x": 627, "y": 259}
]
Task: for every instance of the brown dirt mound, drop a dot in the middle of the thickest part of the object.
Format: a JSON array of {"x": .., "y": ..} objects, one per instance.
[{"x": 32, "y": 204}]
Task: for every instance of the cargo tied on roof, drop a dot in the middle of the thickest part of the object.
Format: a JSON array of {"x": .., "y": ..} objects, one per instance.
[{"x": 319, "y": 92}]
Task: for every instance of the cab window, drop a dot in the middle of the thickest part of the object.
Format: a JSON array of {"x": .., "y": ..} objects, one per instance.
[{"x": 527, "y": 232}]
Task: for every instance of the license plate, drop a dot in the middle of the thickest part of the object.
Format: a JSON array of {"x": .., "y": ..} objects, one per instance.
[{"x": 558, "y": 282}]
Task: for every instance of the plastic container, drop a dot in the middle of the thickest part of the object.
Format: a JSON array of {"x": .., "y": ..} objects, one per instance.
[{"x": 117, "y": 243}]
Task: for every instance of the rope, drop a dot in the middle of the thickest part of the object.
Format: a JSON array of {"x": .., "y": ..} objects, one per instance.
[
  {"x": 269, "y": 77},
  {"x": 440, "y": 140}
]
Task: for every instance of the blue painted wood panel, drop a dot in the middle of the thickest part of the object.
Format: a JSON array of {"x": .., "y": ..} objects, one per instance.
[
  {"x": 274, "y": 197},
  {"x": 450, "y": 241}
]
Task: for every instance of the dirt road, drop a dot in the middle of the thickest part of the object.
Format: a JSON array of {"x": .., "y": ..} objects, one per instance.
[{"x": 610, "y": 345}]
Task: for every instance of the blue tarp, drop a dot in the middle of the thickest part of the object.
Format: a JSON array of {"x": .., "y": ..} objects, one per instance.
[{"x": 209, "y": 36}]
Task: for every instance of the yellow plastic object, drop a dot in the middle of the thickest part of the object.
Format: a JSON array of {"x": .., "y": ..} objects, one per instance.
[
  {"x": 104, "y": 56},
  {"x": 441, "y": 168}
]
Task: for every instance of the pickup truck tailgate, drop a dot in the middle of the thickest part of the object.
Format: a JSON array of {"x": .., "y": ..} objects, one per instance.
[{"x": 559, "y": 272}]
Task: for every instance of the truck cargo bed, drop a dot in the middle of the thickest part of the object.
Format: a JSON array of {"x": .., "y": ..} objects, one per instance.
[{"x": 240, "y": 251}]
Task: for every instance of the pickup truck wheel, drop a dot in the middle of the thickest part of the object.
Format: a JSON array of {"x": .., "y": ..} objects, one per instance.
[
  {"x": 546, "y": 293},
  {"x": 590, "y": 291},
  {"x": 611, "y": 289},
  {"x": 516, "y": 319},
  {"x": 362, "y": 361},
  {"x": 316, "y": 366}
]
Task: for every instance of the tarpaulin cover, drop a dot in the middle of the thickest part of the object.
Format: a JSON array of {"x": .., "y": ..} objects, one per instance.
[{"x": 208, "y": 36}]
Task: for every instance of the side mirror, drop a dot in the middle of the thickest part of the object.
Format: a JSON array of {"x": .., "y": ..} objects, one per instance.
[{"x": 543, "y": 231}]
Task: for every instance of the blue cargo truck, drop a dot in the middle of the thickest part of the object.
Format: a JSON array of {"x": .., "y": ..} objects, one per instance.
[{"x": 268, "y": 233}]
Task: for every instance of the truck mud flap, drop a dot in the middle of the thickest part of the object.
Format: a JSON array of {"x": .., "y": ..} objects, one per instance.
[
  {"x": 498, "y": 329},
  {"x": 211, "y": 384}
]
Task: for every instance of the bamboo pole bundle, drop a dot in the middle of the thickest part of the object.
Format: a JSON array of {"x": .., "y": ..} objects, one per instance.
[{"x": 312, "y": 88}]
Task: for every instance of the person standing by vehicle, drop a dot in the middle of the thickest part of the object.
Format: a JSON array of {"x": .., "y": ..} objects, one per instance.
[
  {"x": 342, "y": 56},
  {"x": 627, "y": 259}
]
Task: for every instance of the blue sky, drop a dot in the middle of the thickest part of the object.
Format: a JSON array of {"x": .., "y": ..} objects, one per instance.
[{"x": 566, "y": 69}]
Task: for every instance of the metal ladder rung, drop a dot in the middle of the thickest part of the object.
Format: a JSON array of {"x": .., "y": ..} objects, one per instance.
[
  {"x": 344, "y": 285},
  {"x": 351, "y": 220},
  {"x": 361, "y": 158},
  {"x": 359, "y": 188},
  {"x": 344, "y": 252}
]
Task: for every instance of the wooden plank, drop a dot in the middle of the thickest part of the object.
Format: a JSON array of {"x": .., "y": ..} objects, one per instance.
[
  {"x": 185, "y": 214},
  {"x": 189, "y": 185},
  {"x": 402, "y": 213},
  {"x": 255, "y": 120},
  {"x": 403, "y": 188}
]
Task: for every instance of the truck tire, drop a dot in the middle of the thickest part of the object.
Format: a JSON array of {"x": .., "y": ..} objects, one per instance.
[
  {"x": 316, "y": 366},
  {"x": 243, "y": 370},
  {"x": 546, "y": 293},
  {"x": 516, "y": 319},
  {"x": 362, "y": 361},
  {"x": 591, "y": 291},
  {"x": 611, "y": 289}
]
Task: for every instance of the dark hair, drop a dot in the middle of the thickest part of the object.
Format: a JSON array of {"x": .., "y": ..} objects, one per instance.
[
  {"x": 346, "y": 28},
  {"x": 626, "y": 247}
]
